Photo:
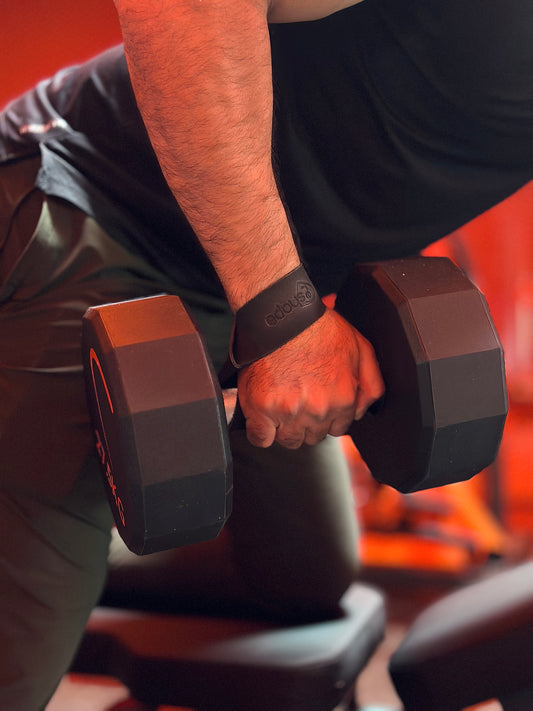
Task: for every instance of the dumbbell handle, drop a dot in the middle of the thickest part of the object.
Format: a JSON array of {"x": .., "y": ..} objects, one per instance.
[{"x": 229, "y": 396}]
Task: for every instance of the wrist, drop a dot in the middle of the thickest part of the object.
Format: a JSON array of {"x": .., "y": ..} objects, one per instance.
[
  {"x": 252, "y": 273},
  {"x": 274, "y": 316}
]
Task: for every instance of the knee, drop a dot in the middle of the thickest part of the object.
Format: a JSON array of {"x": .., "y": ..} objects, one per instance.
[
  {"x": 298, "y": 592},
  {"x": 293, "y": 526}
]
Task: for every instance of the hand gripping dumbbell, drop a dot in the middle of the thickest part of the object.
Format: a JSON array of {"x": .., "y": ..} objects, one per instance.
[{"x": 161, "y": 425}]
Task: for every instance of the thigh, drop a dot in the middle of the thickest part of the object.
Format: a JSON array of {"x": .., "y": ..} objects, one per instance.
[
  {"x": 294, "y": 529},
  {"x": 54, "y": 521},
  {"x": 54, "y": 518}
]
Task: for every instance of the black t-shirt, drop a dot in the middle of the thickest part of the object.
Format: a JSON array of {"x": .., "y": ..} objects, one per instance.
[
  {"x": 400, "y": 120},
  {"x": 395, "y": 123}
]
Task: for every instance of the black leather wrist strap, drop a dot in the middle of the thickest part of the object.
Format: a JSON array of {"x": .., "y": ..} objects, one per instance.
[{"x": 274, "y": 317}]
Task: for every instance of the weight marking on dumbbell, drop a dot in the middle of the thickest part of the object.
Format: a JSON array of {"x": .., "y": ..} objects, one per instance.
[
  {"x": 109, "y": 476},
  {"x": 103, "y": 447}
]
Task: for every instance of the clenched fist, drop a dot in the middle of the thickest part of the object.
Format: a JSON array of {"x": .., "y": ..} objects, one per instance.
[{"x": 314, "y": 385}]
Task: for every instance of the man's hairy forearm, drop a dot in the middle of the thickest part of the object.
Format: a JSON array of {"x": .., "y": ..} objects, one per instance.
[{"x": 202, "y": 77}]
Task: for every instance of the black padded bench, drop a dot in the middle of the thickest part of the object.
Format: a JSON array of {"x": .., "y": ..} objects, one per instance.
[
  {"x": 471, "y": 646},
  {"x": 218, "y": 664}
]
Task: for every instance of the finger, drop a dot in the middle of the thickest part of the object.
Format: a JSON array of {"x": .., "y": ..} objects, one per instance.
[
  {"x": 261, "y": 432},
  {"x": 341, "y": 424},
  {"x": 311, "y": 431},
  {"x": 290, "y": 439},
  {"x": 314, "y": 437}
]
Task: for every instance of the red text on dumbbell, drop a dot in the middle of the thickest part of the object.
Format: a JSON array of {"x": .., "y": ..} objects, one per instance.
[{"x": 101, "y": 450}]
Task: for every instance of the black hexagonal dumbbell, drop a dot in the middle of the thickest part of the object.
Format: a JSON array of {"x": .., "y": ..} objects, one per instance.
[
  {"x": 446, "y": 400},
  {"x": 161, "y": 425},
  {"x": 159, "y": 421}
]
